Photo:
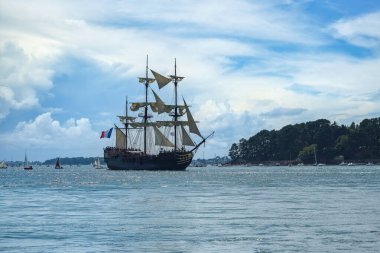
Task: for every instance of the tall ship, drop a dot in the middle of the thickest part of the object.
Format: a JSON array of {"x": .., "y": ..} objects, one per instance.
[{"x": 161, "y": 136}]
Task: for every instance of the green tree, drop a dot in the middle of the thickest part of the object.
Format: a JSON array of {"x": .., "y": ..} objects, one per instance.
[
  {"x": 234, "y": 152},
  {"x": 307, "y": 155},
  {"x": 356, "y": 142}
]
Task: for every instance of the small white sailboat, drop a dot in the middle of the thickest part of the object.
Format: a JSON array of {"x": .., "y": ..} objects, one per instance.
[
  {"x": 26, "y": 164},
  {"x": 315, "y": 160},
  {"x": 3, "y": 165},
  {"x": 97, "y": 164}
]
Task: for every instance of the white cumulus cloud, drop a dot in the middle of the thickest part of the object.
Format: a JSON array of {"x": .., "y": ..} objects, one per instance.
[
  {"x": 73, "y": 138},
  {"x": 22, "y": 75}
]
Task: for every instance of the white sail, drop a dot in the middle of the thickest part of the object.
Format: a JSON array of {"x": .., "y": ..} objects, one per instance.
[
  {"x": 186, "y": 140},
  {"x": 192, "y": 125},
  {"x": 97, "y": 164},
  {"x": 3, "y": 165},
  {"x": 120, "y": 138},
  {"x": 160, "y": 139},
  {"x": 161, "y": 80},
  {"x": 159, "y": 105}
]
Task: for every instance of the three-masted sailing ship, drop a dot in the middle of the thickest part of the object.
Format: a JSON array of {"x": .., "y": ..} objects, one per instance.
[{"x": 148, "y": 142}]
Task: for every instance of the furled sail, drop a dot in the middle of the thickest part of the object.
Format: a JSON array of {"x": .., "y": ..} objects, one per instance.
[
  {"x": 137, "y": 105},
  {"x": 186, "y": 140},
  {"x": 141, "y": 124},
  {"x": 161, "y": 80},
  {"x": 144, "y": 80},
  {"x": 172, "y": 123},
  {"x": 156, "y": 107},
  {"x": 125, "y": 119},
  {"x": 192, "y": 125},
  {"x": 160, "y": 139},
  {"x": 159, "y": 124},
  {"x": 167, "y": 108},
  {"x": 120, "y": 138}
]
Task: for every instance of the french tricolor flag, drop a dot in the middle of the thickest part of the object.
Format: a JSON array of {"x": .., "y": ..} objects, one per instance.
[{"x": 106, "y": 134}]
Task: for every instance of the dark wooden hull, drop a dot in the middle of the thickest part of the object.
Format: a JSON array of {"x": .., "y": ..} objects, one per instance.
[{"x": 120, "y": 159}]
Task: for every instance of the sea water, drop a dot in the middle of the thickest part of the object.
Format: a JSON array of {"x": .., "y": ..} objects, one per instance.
[{"x": 212, "y": 209}]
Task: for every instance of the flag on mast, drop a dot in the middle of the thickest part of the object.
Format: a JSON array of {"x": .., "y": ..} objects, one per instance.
[{"x": 106, "y": 134}]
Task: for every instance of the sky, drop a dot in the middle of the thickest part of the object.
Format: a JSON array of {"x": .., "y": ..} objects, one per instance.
[{"x": 66, "y": 67}]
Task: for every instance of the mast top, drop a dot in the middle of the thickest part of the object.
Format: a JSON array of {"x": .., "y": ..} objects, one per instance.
[
  {"x": 174, "y": 77},
  {"x": 146, "y": 80}
]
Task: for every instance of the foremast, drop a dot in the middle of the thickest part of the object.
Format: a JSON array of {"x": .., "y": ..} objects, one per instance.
[{"x": 146, "y": 81}]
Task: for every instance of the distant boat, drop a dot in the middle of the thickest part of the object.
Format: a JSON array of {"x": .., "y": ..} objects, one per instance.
[
  {"x": 316, "y": 161},
  {"x": 57, "y": 164},
  {"x": 315, "y": 158},
  {"x": 343, "y": 164},
  {"x": 290, "y": 164},
  {"x": 26, "y": 164},
  {"x": 3, "y": 165},
  {"x": 350, "y": 164},
  {"x": 97, "y": 164}
]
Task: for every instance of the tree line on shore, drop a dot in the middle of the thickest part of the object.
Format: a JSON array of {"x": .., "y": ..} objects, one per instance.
[
  {"x": 304, "y": 142},
  {"x": 74, "y": 160}
]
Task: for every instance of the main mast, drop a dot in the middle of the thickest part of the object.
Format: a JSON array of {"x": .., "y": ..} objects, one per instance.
[
  {"x": 176, "y": 104},
  {"x": 126, "y": 123},
  {"x": 146, "y": 103}
]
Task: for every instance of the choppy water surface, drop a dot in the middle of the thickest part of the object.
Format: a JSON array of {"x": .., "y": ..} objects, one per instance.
[{"x": 234, "y": 209}]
